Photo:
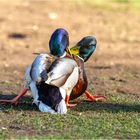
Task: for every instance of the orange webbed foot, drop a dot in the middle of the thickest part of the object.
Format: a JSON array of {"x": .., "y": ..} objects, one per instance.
[
  {"x": 15, "y": 100},
  {"x": 71, "y": 105},
  {"x": 92, "y": 98},
  {"x": 67, "y": 102},
  {"x": 12, "y": 102}
]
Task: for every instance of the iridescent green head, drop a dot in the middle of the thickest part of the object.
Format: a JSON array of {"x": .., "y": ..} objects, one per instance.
[
  {"x": 85, "y": 47},
  {"x": 59, "y": 42}
]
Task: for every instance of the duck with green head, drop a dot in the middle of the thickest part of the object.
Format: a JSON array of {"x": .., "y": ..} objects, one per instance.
[
  {"x": 51, "y": 76},
  {"x": 82, "y": 52}
]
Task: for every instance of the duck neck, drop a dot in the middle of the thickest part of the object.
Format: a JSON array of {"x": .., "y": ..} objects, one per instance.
[
  {"x": 80, "y": 62},
  {"x": 80, "y": 58},
  {"x": 63, "y": 55},
  {"x": 82, "y": 76}
]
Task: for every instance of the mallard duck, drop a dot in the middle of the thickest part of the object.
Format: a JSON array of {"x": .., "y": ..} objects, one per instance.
[
  {"x": 53, "y": 80},
  {"x": 53, "y": 84},
  {"x": 57, "y": 73},
  {"x": 83, "y": 49}
]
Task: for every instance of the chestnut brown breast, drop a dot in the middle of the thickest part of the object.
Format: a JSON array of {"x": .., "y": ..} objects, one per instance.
[{"x": 82, "y": 83}]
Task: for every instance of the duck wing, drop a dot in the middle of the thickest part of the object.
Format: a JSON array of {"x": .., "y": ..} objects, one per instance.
[
  {"x": 60, "y": 71},
  {"x": 42, "y": 62}
]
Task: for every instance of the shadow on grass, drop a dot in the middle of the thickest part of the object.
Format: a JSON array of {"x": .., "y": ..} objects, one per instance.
[
  {"x": 109, "y": 107},
  {"x": 25, "y": 103}
]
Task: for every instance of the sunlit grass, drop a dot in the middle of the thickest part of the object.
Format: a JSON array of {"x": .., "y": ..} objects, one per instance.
[
  {"x": 118, "y": 117},
  {"x": 110, "y": 4}
]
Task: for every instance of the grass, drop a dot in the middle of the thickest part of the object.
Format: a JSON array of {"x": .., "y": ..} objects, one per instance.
[
  {"x": 118, "y": 118},
  {"x": 110, "y": 4}
]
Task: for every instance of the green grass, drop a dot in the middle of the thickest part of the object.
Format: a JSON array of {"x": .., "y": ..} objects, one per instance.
[
  {"x": 110, "y": 4},
  {"x": 117, "y": 118}
]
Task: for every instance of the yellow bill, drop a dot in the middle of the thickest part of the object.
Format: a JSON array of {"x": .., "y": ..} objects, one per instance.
[{"x": 74, "y": 50}]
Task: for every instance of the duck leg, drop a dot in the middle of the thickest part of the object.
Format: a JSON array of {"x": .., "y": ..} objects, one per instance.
[
  {"x": 69, "y": 85},
  {"x": 67, "y": 102},
  {"x": 91, "y": 98},
  {"x": 15, "y": 100}
]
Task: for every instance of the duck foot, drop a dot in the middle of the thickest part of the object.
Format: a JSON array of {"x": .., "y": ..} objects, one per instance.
[
  {"x": 92, "y": 98},
  {"x": 67, "y": 100},
  {"x": 71, "y": 105},
  {"x": 12, "y": 102},
  {"x": 15, "y": 100}
]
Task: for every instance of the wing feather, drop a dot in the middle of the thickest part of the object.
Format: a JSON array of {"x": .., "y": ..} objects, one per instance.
[
  {"x": 60, "y": 70},
  {"x": 42, "y": 62},
  {"x": 54, "y": 71}
]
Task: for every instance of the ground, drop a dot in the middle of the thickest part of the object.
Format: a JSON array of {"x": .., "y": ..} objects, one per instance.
[{"x": 113, "y": 70}]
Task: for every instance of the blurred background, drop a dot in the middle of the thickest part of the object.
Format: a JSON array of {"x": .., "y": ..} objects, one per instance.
[
  {"x": 26, "y": 27},
  {"x": 113, "y": 70}
]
